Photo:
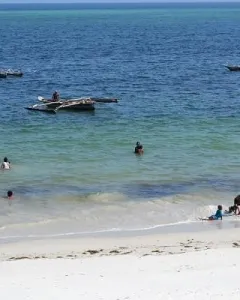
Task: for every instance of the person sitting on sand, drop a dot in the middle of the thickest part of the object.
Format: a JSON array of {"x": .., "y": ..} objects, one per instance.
[
  {"x": 237, "y": 204},
  {"x": 55, "y": 96},
  {"x": 5, "y": 164},
  {"x": 218, "y": 214},
  {"x": 138, "y": 148}
]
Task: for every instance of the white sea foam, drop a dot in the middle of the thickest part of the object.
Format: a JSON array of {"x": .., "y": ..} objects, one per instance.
[{"x": 103, "y": 213}]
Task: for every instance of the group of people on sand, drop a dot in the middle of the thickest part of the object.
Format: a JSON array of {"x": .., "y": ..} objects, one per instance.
[
  {"x": 234, "y": 209},
  {"x": 6, "y": 165}
]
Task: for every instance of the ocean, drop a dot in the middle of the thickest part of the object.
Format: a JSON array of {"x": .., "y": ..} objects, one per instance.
[{"x": 76, "y": 173}]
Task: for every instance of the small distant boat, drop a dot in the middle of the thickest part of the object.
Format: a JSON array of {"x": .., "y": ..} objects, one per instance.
[
  {"x": 233, "y": 68},
  {"x": 94, "y": 99},
  {"x": 10, "y": 72},
  {"x": 3, "y": 74},
  {"x": 71, "y": 105},
  {"x": 17, "y": 73},
  {"x": 76, "y": 104}
]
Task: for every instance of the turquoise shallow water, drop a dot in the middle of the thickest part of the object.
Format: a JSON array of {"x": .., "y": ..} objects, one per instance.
[{"x": 76, "y": 172}]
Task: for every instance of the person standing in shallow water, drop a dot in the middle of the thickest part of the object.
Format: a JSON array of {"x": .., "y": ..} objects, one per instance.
[
  {"x": 138, "y": 149},
  {"x": 10, "y": 197},
  {"x": 5, "y": 164}
]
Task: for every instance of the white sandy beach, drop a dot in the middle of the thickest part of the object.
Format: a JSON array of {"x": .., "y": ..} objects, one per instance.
[{"x": 201, "y": 265}]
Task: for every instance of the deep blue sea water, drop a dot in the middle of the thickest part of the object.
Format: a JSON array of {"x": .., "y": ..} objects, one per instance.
[{"x": 76, "y": 172}]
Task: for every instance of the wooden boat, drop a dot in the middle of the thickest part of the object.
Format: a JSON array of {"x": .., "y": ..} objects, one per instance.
[
  {"x": 75, "y": 105},
  {"x": 94, "y": 99},
  {"x": 71, "y": 105},
  {"x": 233, "y": 68}
]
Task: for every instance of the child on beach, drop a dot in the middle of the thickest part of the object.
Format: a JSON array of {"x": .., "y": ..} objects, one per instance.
[
  {"x": 218, "y": 214},
  {"x": 9, "y": 194},
  {"x": 10, "y": 197}
]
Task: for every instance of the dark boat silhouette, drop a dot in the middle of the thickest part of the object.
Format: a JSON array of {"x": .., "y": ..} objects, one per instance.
[
  {"x": 71, "y": 105},
  {"x": 233, "y": 67}
]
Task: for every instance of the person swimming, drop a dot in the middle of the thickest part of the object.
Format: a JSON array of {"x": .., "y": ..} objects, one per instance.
[
  {"x": 5, "y": 164},
  {"x": 138, "y": 149},
  {"x": 218, "y": 214}
]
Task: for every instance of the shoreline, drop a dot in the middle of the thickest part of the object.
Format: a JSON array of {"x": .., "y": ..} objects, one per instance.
[
  {"x": 161, "y": 230},
  {"x": 139, "y": 245}
]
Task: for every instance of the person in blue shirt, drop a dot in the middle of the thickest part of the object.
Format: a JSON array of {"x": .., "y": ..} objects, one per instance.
[{"x": 218, "y": 214}]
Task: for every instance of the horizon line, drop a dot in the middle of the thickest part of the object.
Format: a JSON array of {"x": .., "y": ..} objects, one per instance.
[{"x": 131, "y": 2}]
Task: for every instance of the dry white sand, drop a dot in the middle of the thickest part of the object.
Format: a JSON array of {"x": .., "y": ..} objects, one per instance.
[{"x": 176, "y": 266}]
